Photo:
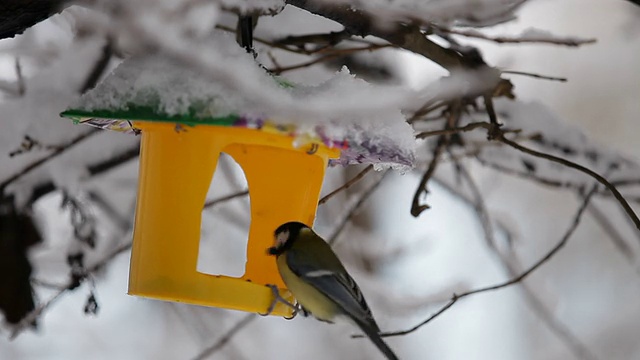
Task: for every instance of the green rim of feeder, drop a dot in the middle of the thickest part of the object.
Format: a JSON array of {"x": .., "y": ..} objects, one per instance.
[{"x": 147, "y": 113}]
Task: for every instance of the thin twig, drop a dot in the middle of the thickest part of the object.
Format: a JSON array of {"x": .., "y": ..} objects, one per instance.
[
  {"x": 426, "y": 108},
  {"x": 46, "y": 284},
  {"x": 616, "y": 238},
  {"x": 537, "y": 76},
  {"x": 479, "y": 206},
  {"x": 225, "y": 198},
  {"x": 346, "y": 185},
  {"x": 246, "y": 320},
  {"x": 468, "y": 127},
  {"x": 295, "y": 50},
  {"x": 99, "y": 67},
  {"x": 416, "y": 207},
  {"x": 33, "y": 315},
  {"x": 361, "y": 23},
  {"x": 493, "y": 117},
  {"x": 443, "y": 140},
  {"x": 623, "y": 202},
  {"x": 495, "y": 133},
  {"x": 329, "y": 56},
  {"x": 354, "y": 209},
  {"x": 526, "y": 175},
  {"x": 114, "y": 161},
  {"x": 122, "y": 221},
  {"x": 576, "y": 346},
  {"x": 20, "y": 78},
  {"x": 331, "y": 38},
  {"x": 54, "y": 154},
  {"x": 530, "y": 176},
  {"x": 524, "y": 38},
  {"x": 268, "y": 43},
  {"x": 512, "y": 281}
]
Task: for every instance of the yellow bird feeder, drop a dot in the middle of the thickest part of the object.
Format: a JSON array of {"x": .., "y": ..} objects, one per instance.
[{"x": 179, "y": 154}]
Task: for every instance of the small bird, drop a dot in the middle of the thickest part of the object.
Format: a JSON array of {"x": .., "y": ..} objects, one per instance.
[{"x": 320, "y": 283}]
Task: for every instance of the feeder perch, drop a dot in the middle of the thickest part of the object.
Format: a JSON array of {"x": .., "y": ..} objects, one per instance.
[{"x": 178, "y": 157}]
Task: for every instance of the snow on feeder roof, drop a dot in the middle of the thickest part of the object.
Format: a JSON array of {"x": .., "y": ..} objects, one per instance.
[
  {"x": 186, "y": 121},
  {"x": 156, "y": 89}
]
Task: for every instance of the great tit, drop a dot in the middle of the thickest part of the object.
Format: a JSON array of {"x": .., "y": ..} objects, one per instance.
[{"x": 320, "y": 283}]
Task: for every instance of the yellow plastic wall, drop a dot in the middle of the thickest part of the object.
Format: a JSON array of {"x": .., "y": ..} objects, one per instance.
[{"x": 176, "y": 168}]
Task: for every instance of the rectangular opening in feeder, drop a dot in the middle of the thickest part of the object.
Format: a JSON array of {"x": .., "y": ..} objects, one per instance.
[{"x": 225, "y": 222}]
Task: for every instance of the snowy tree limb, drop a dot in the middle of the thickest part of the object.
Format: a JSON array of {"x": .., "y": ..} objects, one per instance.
[
  {"x": 531, "y": 36},
  {"x": 361, "y": 23}
]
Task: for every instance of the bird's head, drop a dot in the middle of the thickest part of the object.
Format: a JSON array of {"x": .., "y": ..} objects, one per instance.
[{"x": 285, "y": 235}]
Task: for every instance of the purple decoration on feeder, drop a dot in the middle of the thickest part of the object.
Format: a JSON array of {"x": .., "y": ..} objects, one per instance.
[{"x": 382, "y": 151}]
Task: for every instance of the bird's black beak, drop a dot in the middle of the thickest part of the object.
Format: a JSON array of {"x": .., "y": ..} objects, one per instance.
[{"x": 273, "y": 251}]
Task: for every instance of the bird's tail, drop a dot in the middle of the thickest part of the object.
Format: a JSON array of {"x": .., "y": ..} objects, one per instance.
[{"x": 377, "y": 340}]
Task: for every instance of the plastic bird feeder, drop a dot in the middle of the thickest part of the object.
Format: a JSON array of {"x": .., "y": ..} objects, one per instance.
[
  {"x": 178, "y": 157},
  {"x": 177, "y": 164},
  {"x": 176, "y": 169}
]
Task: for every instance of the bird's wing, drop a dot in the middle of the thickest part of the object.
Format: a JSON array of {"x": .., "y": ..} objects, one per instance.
[{"x": 338, "y": 286}]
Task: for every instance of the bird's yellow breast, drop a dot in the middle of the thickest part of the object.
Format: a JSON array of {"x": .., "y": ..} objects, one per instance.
[{"x": 310, "y": 298}]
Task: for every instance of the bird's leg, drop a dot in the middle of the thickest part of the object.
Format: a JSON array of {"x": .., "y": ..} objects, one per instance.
[{"x": 277, "y": 298}]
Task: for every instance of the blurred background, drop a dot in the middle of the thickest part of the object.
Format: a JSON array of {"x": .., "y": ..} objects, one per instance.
[{"x": 581, "y": 304}]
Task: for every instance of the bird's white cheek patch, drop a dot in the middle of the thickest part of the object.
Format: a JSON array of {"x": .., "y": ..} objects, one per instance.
[{"x": 282, "y": 238}]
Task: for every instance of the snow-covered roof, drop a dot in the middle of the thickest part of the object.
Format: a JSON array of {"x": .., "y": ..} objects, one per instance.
[{"x": 160, "y": 89}]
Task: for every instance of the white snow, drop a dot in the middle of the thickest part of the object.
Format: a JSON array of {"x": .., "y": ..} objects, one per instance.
[
  {"x": 463, "y": 12},
  {"x": 340, "y": 107},
  {"x": 419, "y": 261}
]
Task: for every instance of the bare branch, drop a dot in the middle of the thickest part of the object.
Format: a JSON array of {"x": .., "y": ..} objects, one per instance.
[
  {"x": 542, "y": 38},
  {"x": 443, "y": 142},
  {"x": 456, "y": 130},
  {"x": 530, "y": 176},
  {"x": 575, "y": 345},
  {"x": 623, "y": 202},
  {"x": 60, "y": 150},
  {"x": 267, "y": 42},
  {"x": 495, "y": 133},
  {"x": 616, "y": 238},
  {"x": 27, "y": 320},
  {"x": 563, "y": 241},
  {"x": 225, "y": 198},
  {"x": 325, "y": 39},
  {"x": 20, "y": 78},
  {"x": 361, "y": 23},
  {"x": 425, "y": 109},
  {"x": 99, "y": 67},
  {"x": 122, "y": 221},
  {"x": 346, "y": 185},
  {"x": 246, "y": 320},
  {"x": 354, "y": 209},
  {"x": 537, "y": 76},
  {"x": 329, "y": 56},
  {"x": 416, "y": 207}
]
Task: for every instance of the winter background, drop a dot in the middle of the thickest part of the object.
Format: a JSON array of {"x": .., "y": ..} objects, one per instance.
[{"x": 582, "y": 303}]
